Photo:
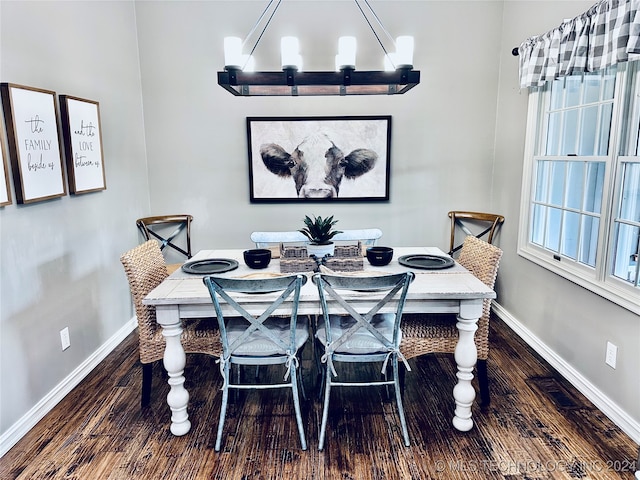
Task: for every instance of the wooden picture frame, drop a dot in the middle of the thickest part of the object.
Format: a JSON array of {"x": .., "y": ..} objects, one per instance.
[
  {"x": 82, "y": 136},
  {"x": 35, "y": 152},
  {"x": 319, "y": 159},
  {"x": 5, "y": 191}
]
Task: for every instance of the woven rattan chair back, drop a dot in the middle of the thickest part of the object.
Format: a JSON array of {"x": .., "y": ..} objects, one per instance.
[
  {"x": 270, "y": 338},
  {"x": 145, "y": 268},
  {"x": 478, "y": 224},
  {"x": 346, "y": 335},
  {"x": 424, "y": 334}
]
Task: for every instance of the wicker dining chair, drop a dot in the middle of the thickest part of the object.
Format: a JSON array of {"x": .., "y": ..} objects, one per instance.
[
  {"x": 437, "y": 333},
  {"x": 146, "y": 269}
]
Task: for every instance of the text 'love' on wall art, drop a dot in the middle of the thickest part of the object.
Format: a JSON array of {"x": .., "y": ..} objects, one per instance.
[{"x": 83, "y": 144}]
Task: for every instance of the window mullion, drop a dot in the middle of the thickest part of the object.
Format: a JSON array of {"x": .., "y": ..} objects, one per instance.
[{"x": 612, "y": 173}]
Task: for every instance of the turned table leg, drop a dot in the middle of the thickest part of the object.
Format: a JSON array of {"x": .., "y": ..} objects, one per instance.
[
  {"x": 466, "y": 355},
  {"x": 174, "y": 362}
]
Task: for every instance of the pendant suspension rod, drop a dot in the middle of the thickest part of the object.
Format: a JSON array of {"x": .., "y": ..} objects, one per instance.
[
  {"x": 263, "y": 30},
  {"x": 255, "y": 26},
  {"x": 375, "y": 15},
  {"x": 373, "y": 30}
]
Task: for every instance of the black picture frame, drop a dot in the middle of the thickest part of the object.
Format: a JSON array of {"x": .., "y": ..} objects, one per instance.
[{"x": 344, "y": 159}]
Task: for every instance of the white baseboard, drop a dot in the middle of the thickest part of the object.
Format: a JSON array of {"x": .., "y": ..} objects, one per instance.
[
  {"x": 44, "y": 406},
  {"x": 607, "y": 406}
]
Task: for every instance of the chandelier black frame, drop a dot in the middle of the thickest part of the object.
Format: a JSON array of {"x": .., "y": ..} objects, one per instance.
[{"x": 291, "y": 82}]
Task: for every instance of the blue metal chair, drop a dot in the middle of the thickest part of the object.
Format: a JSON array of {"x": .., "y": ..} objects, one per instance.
[
  {"x": 267, "y": 339},
  {"x": 348, "y": 336}
]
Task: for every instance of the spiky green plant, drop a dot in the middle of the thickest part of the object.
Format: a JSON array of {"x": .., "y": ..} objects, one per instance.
[{"x": 319, "y": 230}]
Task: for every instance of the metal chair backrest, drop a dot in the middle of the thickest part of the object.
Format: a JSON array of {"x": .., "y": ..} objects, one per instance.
[
  {"x": 334, "y": 301},
  {"x": 483, "y": 224},
  {"x": 166, "y": 228},
  {"x": 220, "y": 288}
]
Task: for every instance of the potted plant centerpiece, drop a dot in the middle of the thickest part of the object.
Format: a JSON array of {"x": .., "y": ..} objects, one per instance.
[{"x": 320, "y": 232}]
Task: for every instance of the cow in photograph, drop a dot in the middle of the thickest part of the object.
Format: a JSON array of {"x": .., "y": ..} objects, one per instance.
[{"x": 317, "y": 165}]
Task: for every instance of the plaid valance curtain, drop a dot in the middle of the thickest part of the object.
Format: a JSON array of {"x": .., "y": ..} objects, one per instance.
[{"x": 606, "y": 34}]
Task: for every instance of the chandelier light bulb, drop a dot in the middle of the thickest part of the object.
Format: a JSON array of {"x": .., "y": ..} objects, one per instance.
[
  {"x": 404, "y": 52},
  {"x": 290, "y": 53},
  {"x": 346, "y": 57},
  {"x": 233, "y": 53}
]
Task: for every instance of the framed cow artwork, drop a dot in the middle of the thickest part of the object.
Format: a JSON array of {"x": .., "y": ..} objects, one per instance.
[{"x": 319, "y": 159}]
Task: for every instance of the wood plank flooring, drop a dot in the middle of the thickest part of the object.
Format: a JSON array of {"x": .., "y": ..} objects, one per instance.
[{"x": 537, "y": 427}]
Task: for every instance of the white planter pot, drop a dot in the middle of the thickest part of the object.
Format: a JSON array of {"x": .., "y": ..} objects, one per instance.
[{"x": 320, "y": 250}]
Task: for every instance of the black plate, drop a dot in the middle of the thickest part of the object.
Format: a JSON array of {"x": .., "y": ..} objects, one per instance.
[
  {"x": 426, "y": 262},
  {"x": 210, "y": 265}
]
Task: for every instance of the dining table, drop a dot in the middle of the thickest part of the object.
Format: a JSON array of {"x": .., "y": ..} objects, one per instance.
[{"x": 452, "y": 289}]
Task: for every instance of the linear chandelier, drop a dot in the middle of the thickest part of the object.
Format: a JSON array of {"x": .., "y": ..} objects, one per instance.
[{"x": 239, "y": 78}]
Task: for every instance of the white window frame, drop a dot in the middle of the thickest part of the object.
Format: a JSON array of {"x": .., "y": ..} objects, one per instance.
[{"x": 598, "y": 279}]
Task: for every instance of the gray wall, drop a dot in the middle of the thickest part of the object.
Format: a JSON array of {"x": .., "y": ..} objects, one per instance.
[
  {"x": 60, "y": 258},
  {"x": 572, "y": 322},
  {"x": 442, "y": 140},
  {"x": 457, "y": 143}
]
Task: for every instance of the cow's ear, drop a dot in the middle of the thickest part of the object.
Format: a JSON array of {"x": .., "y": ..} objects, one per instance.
[
  {"x": 276, "y": 159},
  {"x": 359, "y": 161}
]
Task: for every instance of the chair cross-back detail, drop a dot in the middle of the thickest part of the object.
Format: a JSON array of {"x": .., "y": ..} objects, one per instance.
[
  {"x": 348, "y": 336},
  {"x": 165, "y": 229},
  {"x": 265, "y": 339},
  {"x": 488, "y": 222},
  {"x": 145, "y": 269}
]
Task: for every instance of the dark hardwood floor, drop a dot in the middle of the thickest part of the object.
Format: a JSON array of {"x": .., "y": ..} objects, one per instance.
[{"x": 537, "y": 427}]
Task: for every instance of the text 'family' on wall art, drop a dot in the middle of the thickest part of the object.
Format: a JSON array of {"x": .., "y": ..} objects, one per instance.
[{"x": 32, "y": 136}]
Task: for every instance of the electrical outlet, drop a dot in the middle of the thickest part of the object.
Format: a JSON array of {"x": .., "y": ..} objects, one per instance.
[
  {"x": 612, "y": 354},
  {"x": 65, "y": 340}
]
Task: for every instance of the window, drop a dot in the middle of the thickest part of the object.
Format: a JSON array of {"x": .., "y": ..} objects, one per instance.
[{"x": 581, "y": 187}]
